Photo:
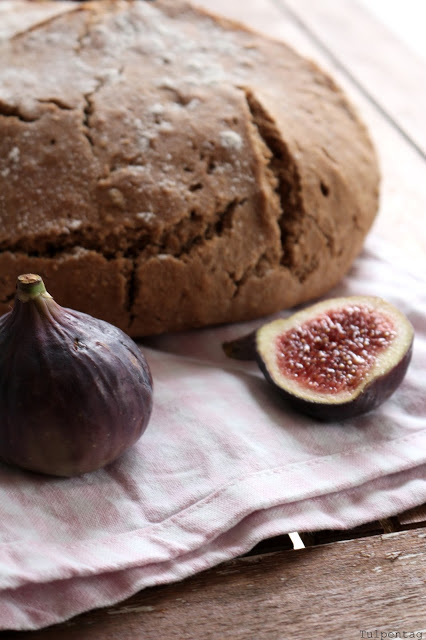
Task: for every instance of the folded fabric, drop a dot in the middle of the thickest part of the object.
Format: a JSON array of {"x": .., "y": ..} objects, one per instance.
[{"x": 223, "y": 464}]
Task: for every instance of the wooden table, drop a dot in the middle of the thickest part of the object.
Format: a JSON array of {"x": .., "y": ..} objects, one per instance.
[{"x": 370, "y": 580}]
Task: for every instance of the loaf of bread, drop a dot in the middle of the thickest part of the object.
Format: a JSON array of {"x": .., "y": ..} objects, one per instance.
[{"x": 162, "y": 168}]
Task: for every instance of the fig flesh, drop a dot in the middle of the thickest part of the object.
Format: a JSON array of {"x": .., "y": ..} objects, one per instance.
[
  {"x": 75, "y": 392},
  {"x": 338, "y": 358}
]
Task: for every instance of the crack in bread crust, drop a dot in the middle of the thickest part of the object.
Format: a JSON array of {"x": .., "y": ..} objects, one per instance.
[
  {"x": 183, "y": 171},
  {"x": 13, "y": 111},
  {"x": 132, "y": 245},
  {"x": 287, "y": 178}
]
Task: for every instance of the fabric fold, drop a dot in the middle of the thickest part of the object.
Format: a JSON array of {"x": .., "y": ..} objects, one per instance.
[{"x": 223, "y": 464}]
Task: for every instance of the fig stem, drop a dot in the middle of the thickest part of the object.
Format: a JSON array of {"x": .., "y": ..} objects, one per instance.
[
  {"x": 29, "y": 286},
  {"x": 243, "y": 348}
]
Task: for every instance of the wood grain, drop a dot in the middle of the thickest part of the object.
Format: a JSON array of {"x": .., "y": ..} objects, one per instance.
[
  {"x": 328, "y": 591},
  {"x": 338, "y": 589},
  {"x": 398, "y": 129},
  {"x": 413, "y": 517},
  {"x": 400, "y": 222},
  {"x": 380, "y": 64}
]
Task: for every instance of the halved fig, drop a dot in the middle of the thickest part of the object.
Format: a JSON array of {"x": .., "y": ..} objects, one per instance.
[{"x": 338, "y": 358}]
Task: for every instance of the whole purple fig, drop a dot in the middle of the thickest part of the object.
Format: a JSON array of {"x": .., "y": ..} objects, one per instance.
[{"x": 75, "y": 392}]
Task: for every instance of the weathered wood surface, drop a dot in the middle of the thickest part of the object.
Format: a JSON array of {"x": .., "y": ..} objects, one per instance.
[
  {"x": 389, "y": 74},
  {"x": 360, "y": 580},
  {"x": 414, "y": 517},
  {"x": 401, "y": 220},
  {"x": 329, "y": 591}
]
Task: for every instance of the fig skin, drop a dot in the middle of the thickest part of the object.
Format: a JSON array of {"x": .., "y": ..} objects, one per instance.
[
  {"x": 371, "y": 397},
  {"x": 75, "y": 391},
  {"x": 379, "y": 382}
]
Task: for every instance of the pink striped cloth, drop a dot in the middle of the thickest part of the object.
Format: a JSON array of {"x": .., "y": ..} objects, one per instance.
[{"x": 223, "y": 464}]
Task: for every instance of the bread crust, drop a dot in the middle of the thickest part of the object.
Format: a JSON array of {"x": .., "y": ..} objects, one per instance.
[{"x": 165, "y": 169}]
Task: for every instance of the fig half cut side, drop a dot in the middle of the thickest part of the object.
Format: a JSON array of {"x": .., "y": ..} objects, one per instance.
[{"x": 338, "y": 358}]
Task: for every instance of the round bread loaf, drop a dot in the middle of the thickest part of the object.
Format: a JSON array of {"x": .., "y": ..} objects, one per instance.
[{"x": 162, "y": 168}]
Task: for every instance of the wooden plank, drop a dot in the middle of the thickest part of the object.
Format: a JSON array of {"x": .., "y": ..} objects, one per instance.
[
  {"x": 401, "y": 219},
  {"x": 330, "y": 591},
  {"x": 376, "y": 582},
  {"x": 413, "y": 517},
  {"x": 372, "y": 56},
  {"x": 404, "y": 19},
  {"x": 271, "y": 545},
  {"x": 326, "y": 536}
]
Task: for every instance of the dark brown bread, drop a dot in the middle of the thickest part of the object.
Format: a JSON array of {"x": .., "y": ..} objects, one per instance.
[{"x": 164, "y": 169}]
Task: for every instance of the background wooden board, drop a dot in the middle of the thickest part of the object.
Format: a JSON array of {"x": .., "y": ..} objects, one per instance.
[
  {"x": 373, "y": 577},
  {"x": 369, "y": 83},
  {"x": 379, "y": 65},
  {"x": 327, "y": 591}
]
